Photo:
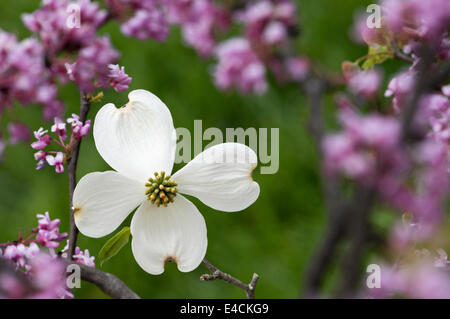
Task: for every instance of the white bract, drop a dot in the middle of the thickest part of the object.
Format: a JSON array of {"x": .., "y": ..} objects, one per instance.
[{"x": 139, "y": 141}]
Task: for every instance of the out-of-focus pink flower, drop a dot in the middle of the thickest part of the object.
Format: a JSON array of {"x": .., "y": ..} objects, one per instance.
[
  {"x": 267, "y": 23},
  {"x": 147, "y": 23},
  {"x": 51, "y": 23},
  {"x": 118, "y": 79},
  {"x": 23, "y": 73},
  {"x": 399, "y": 87},
  {"x": 199, "y": 23},
  {"x": 48, "y": 277},
  {"x": 19, "y": 253},
  {"x": 365, "y": 83},
  {"x": 274, "y": 33},
  {"x": 298, "y": 68},
  {"x": 18, "y": 132},
  {"x": 363, "y": 34},
  {"x": 428, "y": 20},
  {"x": 365, "y": 143},
  {"x": 442, "y": 260},
  {"x": 436, "y": 109},
  {"x": 420, "y": 280},
  {"x": 446, "y": 90},
  {"x": 2, "y": 148},
  {"x": 239, "y": 67},
  {"x": 57, "y": 161}
]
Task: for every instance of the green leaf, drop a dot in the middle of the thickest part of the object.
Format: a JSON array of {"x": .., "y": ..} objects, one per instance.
[
  {"x": 377, "y": 55},
  {"x": 114, "y": 245}
]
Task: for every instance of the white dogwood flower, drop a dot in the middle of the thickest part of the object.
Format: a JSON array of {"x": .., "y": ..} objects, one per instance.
[{"x": 139, "y": 141}]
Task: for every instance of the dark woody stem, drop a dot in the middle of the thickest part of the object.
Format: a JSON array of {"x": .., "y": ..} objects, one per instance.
[
  {"x": 85, "y": 105},
  {"x": 217, "y": 274}
]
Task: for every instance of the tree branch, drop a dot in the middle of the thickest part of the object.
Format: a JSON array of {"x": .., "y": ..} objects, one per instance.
[
  {"x": 218, "y": 274},
  {"x": 315, "y": 88},
  {"x": 108, "y": 283},
  {"x": 72, "y": 172}
]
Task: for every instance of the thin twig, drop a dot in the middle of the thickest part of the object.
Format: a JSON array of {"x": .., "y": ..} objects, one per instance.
[
  {"x": 400, "y": 55},
  {"x": 218, "y": 274},
  {"x": 72, "y": 172}
]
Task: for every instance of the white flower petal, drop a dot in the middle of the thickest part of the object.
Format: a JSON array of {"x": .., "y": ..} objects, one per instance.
[
  {"x": 103, "y": 200},
  {"x": 138, "y": 139},
  {"x": 221, "y": 177},
  {"x": 176, "y": 233}
]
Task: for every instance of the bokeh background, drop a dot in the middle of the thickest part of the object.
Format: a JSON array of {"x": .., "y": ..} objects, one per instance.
[{"x": 276, "y": 236}]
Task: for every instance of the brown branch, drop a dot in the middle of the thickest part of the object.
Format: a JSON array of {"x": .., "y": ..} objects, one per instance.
[
  {"x": 72, "y": 172},
  {"x": 218, "y": 274},
  {"x": 108, "y": 283},
  {"x": 358, "y": 231}
]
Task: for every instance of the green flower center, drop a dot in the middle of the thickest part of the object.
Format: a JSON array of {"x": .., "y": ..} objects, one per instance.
[{"x": 161, "y": 189}]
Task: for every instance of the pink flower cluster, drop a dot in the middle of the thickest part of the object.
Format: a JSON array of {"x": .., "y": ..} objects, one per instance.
[
  {"x": 44, "y": 270},
  {"x": 363, "y": 83},
  {"x": 81, "y": 257},
  {"x": 43, "y": 139},
  {"x": 427, "y": 20},
  {"x": 422, "y": 280},
  {"x": 368, "y": 151},
  {"x": 48, "y": 232},
  {"x": 240, "y": 67},
  {"x": 241, "y": 60},
  {"x": 199, "y": 19},
  {"x": 65, "y": 46},
  {"x": 367, "y": 146},
  {"x": 44, "y": 280},
  {"x": 66, "y": 27},
  {"x": 24, "y": 77},
  {"x": 268, "y": 23}
]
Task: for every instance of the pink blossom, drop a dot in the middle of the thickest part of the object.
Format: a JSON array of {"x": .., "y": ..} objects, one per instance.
[
  {"x": 147, "y": 23},
  {"x": 57, "y": 161},
  {"x": 92, "y": 64},
  {"x": 79, "y": 130},
  {"x": 50, "y": 23},
  {"x": 268, "y": 23},
  {"x": 48, "y": 276},
  {"x": 59, "y": 128},
  {"x": 365, "y": 83},
  {"x": 274, "y": 33},
  {"x": 48, "y": 231},
  {"x": 239, "y": 67},
  {"x": 119, "y": 80},
  {"x": 442, "y": 260},
  {"x": 81, "y": 257},
  {"x": 84, "y": 257},
  {"x": 18, "y": 132},
  {"x": 446, "y": 90},
  {"x": 42, "y": 139},
  {"x": 298, "y": 68},
  {"x": 399, "y": 87}
]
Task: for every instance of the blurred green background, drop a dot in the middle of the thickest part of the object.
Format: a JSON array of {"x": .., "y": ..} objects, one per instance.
[{"x": 276, "y": 236}]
